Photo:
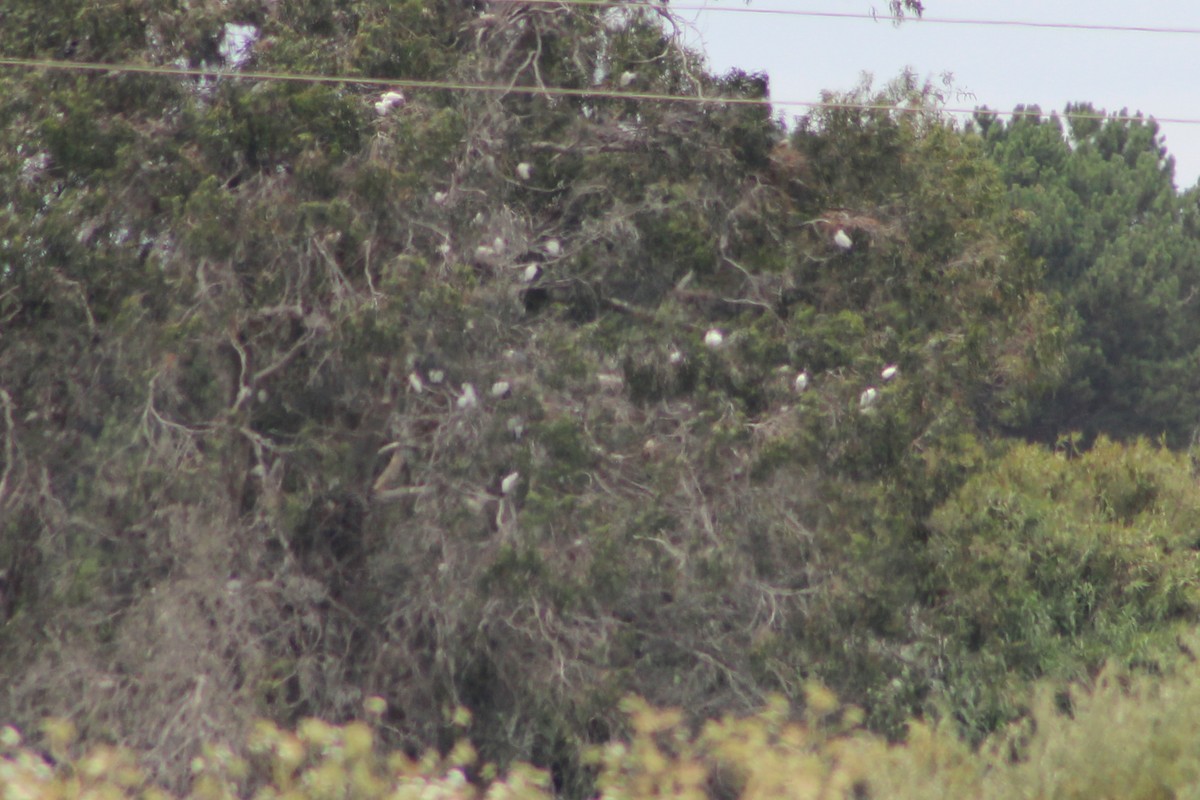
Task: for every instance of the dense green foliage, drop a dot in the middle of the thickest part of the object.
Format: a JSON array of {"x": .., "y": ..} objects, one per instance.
[
  {"x": 1046, "y": 566},
  {"x": 305, "y": 397},
  {"x": 1119, "y": 246}
]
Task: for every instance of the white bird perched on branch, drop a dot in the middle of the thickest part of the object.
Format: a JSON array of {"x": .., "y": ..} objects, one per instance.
[
  {"x": 889, "y": 372},
  {"x": 468, "y": 398},
  {"x": 842, "y": 239},
  {"x": 389, "y": 102},
  {"x": 868, "y": 398},
  {"x": 801, "y": 382},
  {"x": 509, "y": 483},
  {"x": 714, "y": 338},
  {"x": 524, "y": 171}
]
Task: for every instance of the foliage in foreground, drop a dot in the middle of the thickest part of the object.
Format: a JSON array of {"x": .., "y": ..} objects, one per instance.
[
  {"x": 1124, "y": 737},
  {"x": 1049, "y": 563}
]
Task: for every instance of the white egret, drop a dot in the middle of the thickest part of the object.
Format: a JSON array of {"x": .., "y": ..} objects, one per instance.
[
  {"x": 627, "y": 78},
  {"x": 842, "y": 240},
  {"x": 553, "y": 248},
  {"x": 610, "y": 381},
  {"x": 801, "y": 382},
  {"x": 524, "y": 171},
  {"x": 714, "y": 338},
  {"x": 468, "y": 398},
  {"x": 509, "y": 483},
  {"x": 531, "y": 273},
  {"x": 868, "y": 398},
  {"x": 388, "y": 102},
  {"x": 501, "y": 389},
  {"x": 889, "y": 372}
]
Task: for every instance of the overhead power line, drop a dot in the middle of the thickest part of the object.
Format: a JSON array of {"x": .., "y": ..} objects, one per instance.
[
  {"x": 383, "y": 83},
  {"x": 550, "y": 91},
  {"x": 790, "y": 12}
]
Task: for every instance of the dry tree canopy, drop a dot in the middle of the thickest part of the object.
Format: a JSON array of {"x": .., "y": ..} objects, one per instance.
[{"x": 311, "y": 392}]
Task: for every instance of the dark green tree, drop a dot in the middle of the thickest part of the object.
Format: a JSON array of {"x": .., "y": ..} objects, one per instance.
[
  {"x": 1115, "y": 238},
  {"x": 267, "y": 351}
]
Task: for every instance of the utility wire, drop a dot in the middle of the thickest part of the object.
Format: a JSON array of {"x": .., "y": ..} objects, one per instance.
[
  {"x": 1013, "y": 23},
  {"x": 394, "y": 83},
  {"x": 552, "y": 91}
]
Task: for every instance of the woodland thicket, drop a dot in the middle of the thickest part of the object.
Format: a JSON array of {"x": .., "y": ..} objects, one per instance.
[{"x": 310, "y": 399}]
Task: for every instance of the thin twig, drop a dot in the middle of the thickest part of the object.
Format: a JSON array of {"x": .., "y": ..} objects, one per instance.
[{"x": 6, "y": 402}]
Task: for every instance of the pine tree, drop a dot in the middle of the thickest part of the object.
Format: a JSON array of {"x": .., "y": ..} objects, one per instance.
[{"x": 1105, "y": 219}]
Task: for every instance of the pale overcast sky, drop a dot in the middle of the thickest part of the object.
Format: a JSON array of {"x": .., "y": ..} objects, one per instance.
[{"x": 1155, "y": 73}]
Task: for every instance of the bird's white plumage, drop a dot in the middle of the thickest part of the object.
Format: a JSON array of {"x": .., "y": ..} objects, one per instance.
[
  {"x": 714, "y": 338},
  {"x": 843, "y": 240},
  {"x": 868, "y": 397},
  {"x": 801, "y": 382},
  {"x": 388, "y": 102},
  {"x": 889, "y": 372},
  {"x": 524, "y": 170},
  {"x": 509, "y": 483},
  {"x": 468, "y": 398}
]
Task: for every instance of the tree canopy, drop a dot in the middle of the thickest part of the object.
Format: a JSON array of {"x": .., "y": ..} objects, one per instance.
[
  {"x": 1118, "y": 244},
  {"x": 524, "y": 402}
]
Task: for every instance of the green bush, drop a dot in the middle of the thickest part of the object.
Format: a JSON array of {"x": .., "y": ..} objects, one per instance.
[
  {"x": 1047, "y": 565},
  {"x": 1122, "y": 736}
]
